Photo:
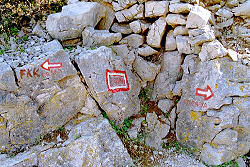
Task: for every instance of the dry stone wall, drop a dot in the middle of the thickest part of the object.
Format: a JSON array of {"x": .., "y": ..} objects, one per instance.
[{"x": 176, "y": 47}]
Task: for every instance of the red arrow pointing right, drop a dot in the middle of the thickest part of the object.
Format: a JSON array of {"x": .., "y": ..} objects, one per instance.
[{"x": 207, "y": 93}]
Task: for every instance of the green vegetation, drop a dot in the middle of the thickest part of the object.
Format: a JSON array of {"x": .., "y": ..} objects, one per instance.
[
  {"x": 1, "y": 51},
  {"x": 11, "y": 155},
  {"x": 232, "y": 163},
  {"x": 144, "y": 94},
  {"x": 144, "y": 108},
  {"x": 77, "y": 136},
  {"x": 25, "y": 37},
  {"x": 61, "y": 129},
  {"x": 39, "y": 139}
]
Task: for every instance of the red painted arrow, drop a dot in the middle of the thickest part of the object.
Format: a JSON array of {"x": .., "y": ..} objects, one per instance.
[
  {"x": 207, "y": 93},
  {"x": 47, "y": 65}
]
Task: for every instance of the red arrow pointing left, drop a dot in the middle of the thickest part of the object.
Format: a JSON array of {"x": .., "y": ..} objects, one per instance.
[
  {"x": 47, "y": 65},
  {"x": 207, "y": 93}
]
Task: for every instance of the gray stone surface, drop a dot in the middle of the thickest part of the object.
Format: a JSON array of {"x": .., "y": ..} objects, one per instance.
[
  {"x": 146, "y": 50},
  {"x": 242, "y": 10},
  {"x": 91, "y": 37},
  {"x": 180, "y": 7},
  {"x": 134, "y": 12},
  {"x": 7, "y": 79},
  {"x": 170, "y": 41},
  {"x": 166, "y": 105},
  {"x": 73, "y": 19},
  {"x": 198, "y": 17},
  {"x": 199, "y": 36},
  {"x": 139, "y": 26},
  {"x": 156, "y": 32},
  {"x": 183, "y": 44},
  {"x": 176, "y": 19},
  {"x": 133, "y": 40},
  {"x": 52, "y": 46},
  {"x": 156, "y": 8},
  {"x": 120, "y": 5},
  {"x": 134, "y": 131},
  {"x": 121, "y": 28},
  {"x": 180, "y": 30},
  {"x": 93, "y": 65}
]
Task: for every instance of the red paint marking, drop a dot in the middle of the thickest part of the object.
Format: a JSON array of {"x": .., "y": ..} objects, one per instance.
[
  {"x": 195, "y": 103},
  {"x": 22, "y": 73},
  {"x": 29, "y": 74},
  {"x": 47, "y": 65},
  {"x": 117, "y": 81},
  {"x": 206, "y": 93}
]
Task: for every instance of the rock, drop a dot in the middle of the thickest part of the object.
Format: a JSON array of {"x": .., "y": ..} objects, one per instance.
[
  {"x": 72, "y": 1},
  {"x": 183, "y": 44},
  {"x": 91, "y": 109},
  {"x": 226, "y": 137},
  {"x": 156, "y": 32},
  {"x": 227, "y": 23},
  {"x": 70, "y": 23},
  {"x": 52, "y": 46},
  {"x": 156, "y": 8},
  {"x": 214, "y": 8},
  {"x": 180, "y": 30},
  {"x": 38, "y": 30},
  {"x": 175, "y": 19},
  {"x": 117, "y": 103},
  {"x": 7, "y": 79},
  {"x": 240, "y": 161},
  {"x": 105, "y": 148},
  {"x": 93, "y": 37},
  {"x": 146, "y": 70},
  {"x": 121, "y": 28},
  {"x": 139, "y": 26},
  {"x": 170, "y": 41},
  {"x": 212, "y": 50},
  {"x": 170, "y": 72},
  {"x": 198, "y": 17},
  {"x": 133, "y": 132},
  {"x": 172, "y": 118},
  {"x": 166, "y": 105},
  {"x": 155, "y": 130},
  {"x": 109, "y": 18},
  {"x": 232, "y": 3},
  {"x": 180, "y": 7},
  {"x": 243, "y": 10},
  {"x": 146, "y": 51},
  {"x": 232, "y": 54},
  {"x": 134, "y": 12},
  {"x": 120, "y": 5},
  {"x": 224, "y": 12},
  {"x": 215, "y": 156},
  {"x": 199, "y": 36},
  {"x": 133, "y": 40}
]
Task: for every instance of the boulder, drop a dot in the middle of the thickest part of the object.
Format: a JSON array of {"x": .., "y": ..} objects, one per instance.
[
  {"x": 146, "y": 50},
  {"x": 176, "y": 19},
  {"x": 224, "y": 12},
  {"x": 121, "y": 28},
  {"x": 156, "y": 8},
  {"x": 199, "y": 36},
  {"x": 156, "y": 32},
  {"x": 183, "y": 44},
  {"x": 170, "y": 41},
  {"x": 38, "y": 31},
  {"x": 134, "y": 12},
  {"x": 134, "y": 131},
  {"x": 7, "y": 79},
  {"x": 124, "y": 4},
  {"x": 97, "y": 67},
  {"x": 133, "y": 40},
  {"x": 91, "y": 37},
  {"x": 180, "y": 7},
  {"x": 139, "y": 26},
  {"x": 166, "y": 105},
  {"x": 242, "y": 10},
  {"x": 146, "y": 70},
  {"x": 180, "y": 30},
  {"x": 70, "y": 23},
  {"x": 198, "y": 17},
  {"x": 52, "y": 46}
]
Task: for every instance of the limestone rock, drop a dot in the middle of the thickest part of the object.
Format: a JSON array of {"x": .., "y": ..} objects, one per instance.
[
  {"x": 198, "y": 17},
  {"x": 176, "y": 19},
  {"x": 146, "y": 51},
  {"x": 93, "y": 37},
  {"x": 156, "y": 8},
  {"x": 156, "y": 130},
  {"x": 183, "y": 44},
  {"x": 199, "y": 36},
  {"x": 133, "y": 40},
  {"x": 120, "y": 5},
  {"x": 134, "y": 12},
  {"x": 226, "y": 23},
  {"x": 121, "y": 28},
  {"x": 52, "y": 46},
  {"x": 156, "y": 32},
  {"x": 146, "y": 70},
  {"x": 232, "y": 54},
  {"x": 212, "y": 50},
  {"x": 180, "y": 30},
  {"x": 106, "y": 22},
  {"x": 7, "y": 79},
  {"x": 38, "y": 30},
  {"x": 73, "y": 19},
  {"x": 223, "y": 12},
  {"x": 243, "y": 10},
  {"x": 139, "y": 26},
  {"x": 117, "y": 104},
  {"x": 170, "y": 41},
  {"x": 180, "y": 7},
  {"x": 133, "y": 132},
  {"x": 165, "y": 105},
  {"x": 170, "y": 72}
]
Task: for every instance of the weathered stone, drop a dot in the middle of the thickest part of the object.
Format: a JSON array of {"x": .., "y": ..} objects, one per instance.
[
  {"x": 73, "y": 19},
  {"x": 166, "y": 105},
  {"x": 38, "y": 30},
  {"x": 91, "y": 109},
  {"x": 183, "y": 44},
  {"x": 199, "y": 36},
  {"x": 139, "y": 26},
  {"x": 198, "y": 17},
  {"x": 226, "y": 137},
  {"x": 146, "y": 70},
  {"x": 52, "y": 46},
  {"x": 146, "y": 51},
  {"x": 93, "y": 142},
  {"x": 180, "y": 30},
  {"x": 133, "y": 40},
  {"x": 232, "y": 54},
  {"x": 133, "y": 132},
  {"x": 7, "y": 79},
  {"x": 109, "y": 18},
  {"x": 134, "y": 12},
  {"x": 121, "y": 28},
  {"x": 224, "y": 12},
  {"x": 93, "y": 65},
  {"x": 156, "y": 130},
  {"x": 241, "y": 163},
  {"x": 172, "y": 118},
  {"x": 170, "y": 72},
  {"x": 170, "y": 41},
  {"x": 120, "y": 5},
  {"x": 156, "y": 32},
  {"x": 226, "y": 23},
  {"x": 243, "y": 10},
  {"x": 212, "y": 50},
  {"x": 72, "y": 1},
  {"x": 180, "y": 7},
  {"x": 232, "y": 3},
  {"x": 156, "y": 8},
  {"x": 176, "y": 19},
  {"x": 91, "y": 37}
]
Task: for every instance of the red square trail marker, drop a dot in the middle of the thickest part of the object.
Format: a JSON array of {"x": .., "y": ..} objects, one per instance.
[{"x": 117, "y": 81}]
